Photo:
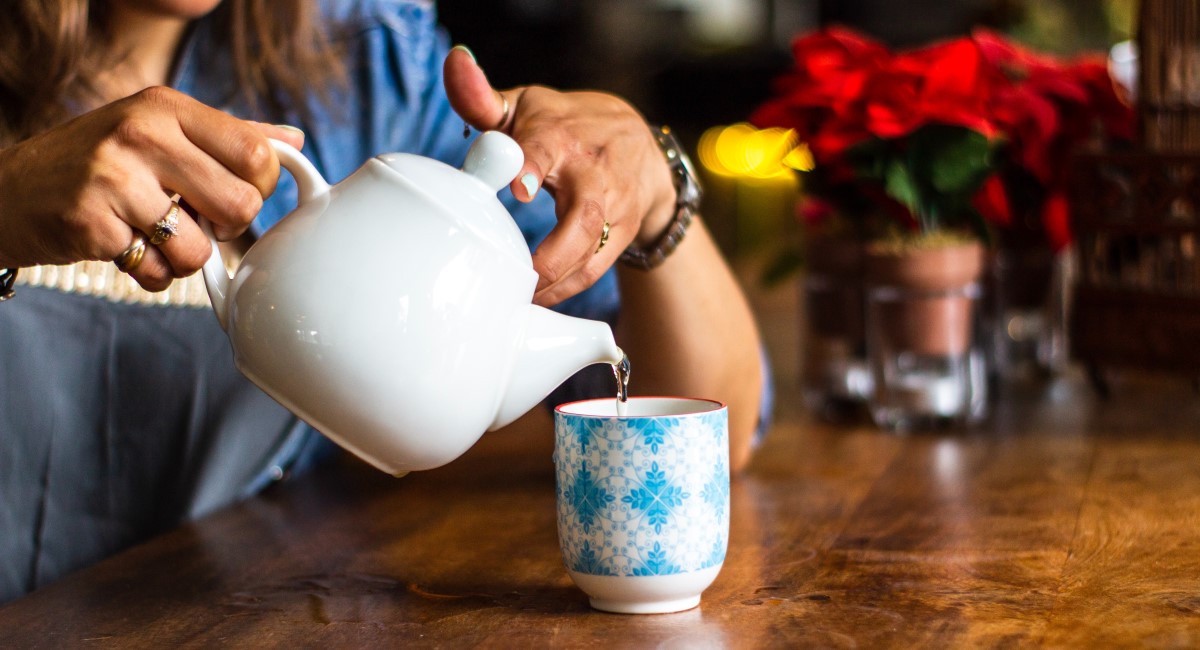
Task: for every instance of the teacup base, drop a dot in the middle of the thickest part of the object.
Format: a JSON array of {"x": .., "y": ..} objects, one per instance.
[
  {"x": 660, "y": 607},
  {"x": 645, "y": 594}
]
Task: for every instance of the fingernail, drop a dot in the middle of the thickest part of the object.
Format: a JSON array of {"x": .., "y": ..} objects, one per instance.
[
  {"x": 466, "y": 49},
  {"x": 530, "y": 183},
  {"x": 289, "y": 127}
]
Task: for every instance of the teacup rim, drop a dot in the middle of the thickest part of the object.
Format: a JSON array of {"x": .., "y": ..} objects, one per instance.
[{"x": 715, "y": 406}]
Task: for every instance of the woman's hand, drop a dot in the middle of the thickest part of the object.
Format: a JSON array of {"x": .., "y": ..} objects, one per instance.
[
  {"x": 593, "y": 152},
  {"x": 81, "y": 191}
]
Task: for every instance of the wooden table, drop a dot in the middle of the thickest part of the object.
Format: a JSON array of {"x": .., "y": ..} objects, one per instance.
[{"x": 1064, "y": 521}]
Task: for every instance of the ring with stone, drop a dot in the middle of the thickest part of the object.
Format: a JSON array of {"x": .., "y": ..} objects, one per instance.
[{"x": 167, "y": 227}]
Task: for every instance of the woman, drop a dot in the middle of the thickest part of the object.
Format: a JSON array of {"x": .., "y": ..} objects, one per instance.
[{"x": 121, "y": 413}]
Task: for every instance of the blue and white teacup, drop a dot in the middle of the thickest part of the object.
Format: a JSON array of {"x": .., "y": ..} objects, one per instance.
[{"x": 643, "y": 500}]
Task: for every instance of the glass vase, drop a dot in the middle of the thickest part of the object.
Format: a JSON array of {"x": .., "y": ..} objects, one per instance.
[
  {"x": 1026, "y": 311},
  {"x": 835, "y": 379},
  {"x": 927, "y": 366}
]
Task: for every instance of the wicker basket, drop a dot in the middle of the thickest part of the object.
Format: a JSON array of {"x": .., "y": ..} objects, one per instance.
[
  {"x": 1169, "y": 74},
  {"x": 1136, "y": 214},
  {"x": 1137, "y": 301}
]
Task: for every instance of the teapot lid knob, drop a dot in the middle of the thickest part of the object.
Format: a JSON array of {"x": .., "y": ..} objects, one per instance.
[{"x": 495, "y": 159}]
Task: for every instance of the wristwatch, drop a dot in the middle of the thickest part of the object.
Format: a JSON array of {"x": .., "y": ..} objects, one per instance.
[
  {"x": 7, "y": 278},
  {"x": 687, "y": 202}
]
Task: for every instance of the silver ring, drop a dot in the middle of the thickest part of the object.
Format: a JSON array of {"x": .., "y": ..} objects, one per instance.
[{"x": 167, "y": 227}]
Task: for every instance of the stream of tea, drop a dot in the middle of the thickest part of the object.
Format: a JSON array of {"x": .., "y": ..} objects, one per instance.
[{"x": 621, "y": 372}]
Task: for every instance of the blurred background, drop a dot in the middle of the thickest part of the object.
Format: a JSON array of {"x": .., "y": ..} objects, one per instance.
[{"x": 702, "y": 66}]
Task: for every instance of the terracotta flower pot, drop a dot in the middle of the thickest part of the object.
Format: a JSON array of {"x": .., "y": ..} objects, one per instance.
[
  {"x": 926, "y": 368},
  {"x": 937, "y": 312}
]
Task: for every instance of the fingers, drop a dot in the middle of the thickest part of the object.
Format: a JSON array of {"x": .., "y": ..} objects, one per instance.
[
  {"x": 285, "y": 132},
  {"x": 154, "y": 272},
  {"x": 225, "y": 177},
  {"x": 185, "y": 251},
  {"x": 571, "y": 259},
  {"x": 177, "y": 255},
  {"x": 237, "y": 145},
  {"x": 222, "y": 165},
  {"x": 80, "y": 190},
  {"x": 143, "y": 262},
  {"x": 566, "y": 262},
  {"x": 471, "y": 95}
]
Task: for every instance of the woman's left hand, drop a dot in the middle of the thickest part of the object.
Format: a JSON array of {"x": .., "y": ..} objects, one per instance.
[{"x": 596, "y": 156}]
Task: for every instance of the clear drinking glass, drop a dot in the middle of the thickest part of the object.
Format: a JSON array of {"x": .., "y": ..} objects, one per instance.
[
  {"x": 927, "y": 368},
  {"x": 835, "y": 379},
  {"x": 1028, "y": 312}
]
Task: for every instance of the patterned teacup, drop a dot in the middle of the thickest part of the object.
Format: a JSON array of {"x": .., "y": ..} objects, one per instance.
[{"x": 643, "y": 500}]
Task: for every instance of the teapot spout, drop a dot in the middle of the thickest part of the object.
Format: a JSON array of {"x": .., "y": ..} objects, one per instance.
[{"x": 555, "y": 347}]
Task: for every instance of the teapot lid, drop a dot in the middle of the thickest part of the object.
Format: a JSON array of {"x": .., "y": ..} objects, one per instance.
[{"x": 469, "y": 194}]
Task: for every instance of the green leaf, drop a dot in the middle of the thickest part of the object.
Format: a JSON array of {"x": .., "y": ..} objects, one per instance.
[
  {"x": 899, "y": 184},
  {"x": 961, "y": 161},
  {"x": 868, "y": 157},
  {"x": 782, "y": 267},
  {"x": 980, "y": 226}
]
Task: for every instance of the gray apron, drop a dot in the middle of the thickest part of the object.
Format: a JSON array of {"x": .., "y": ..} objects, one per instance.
[{"x": 118, "y": 421}]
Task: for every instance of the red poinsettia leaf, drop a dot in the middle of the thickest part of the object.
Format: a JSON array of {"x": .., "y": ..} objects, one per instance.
[
  {"x": 1033, "y": 133},
  {"x": 1059, "y": 84},
  {"x": 886, "y": 124},
  {"x": 1056, "y": 218},
  {"x": 814, "y": 211},
  {"x": 830, "y": 143},
  {"x": 1105, "y": 101},
  {"x": 992, "y": 201},
  {"x": 942, "y": 84},
  {"x": 891, "y": 105}
]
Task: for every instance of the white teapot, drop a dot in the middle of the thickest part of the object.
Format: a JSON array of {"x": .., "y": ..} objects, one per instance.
[{"x": 393, "y": 311}]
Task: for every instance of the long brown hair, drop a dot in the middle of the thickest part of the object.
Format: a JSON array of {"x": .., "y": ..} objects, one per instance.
[{"x": 50, "y": 51}]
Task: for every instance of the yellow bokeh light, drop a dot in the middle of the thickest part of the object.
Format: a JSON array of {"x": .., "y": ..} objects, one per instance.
[
  {"x": 742, "y": 150},
  {"x": 800, "y": 158}
]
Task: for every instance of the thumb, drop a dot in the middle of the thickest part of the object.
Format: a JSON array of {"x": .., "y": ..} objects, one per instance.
[
  {"x": 470, "y": 93},
  {"x": 284, "y": 132}
]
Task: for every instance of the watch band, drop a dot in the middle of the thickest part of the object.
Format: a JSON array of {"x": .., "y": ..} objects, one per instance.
[
  {"x": 687, "y": 203},
  {"x": 7, "y": 278}
]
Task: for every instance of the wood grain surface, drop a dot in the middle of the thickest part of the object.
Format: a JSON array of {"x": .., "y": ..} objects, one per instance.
[{"x": 1064, "y": 521}]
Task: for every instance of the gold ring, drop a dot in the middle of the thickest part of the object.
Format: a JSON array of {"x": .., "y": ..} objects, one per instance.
[
  {"x": 129, "y": 259},
  {"x": 167, "y": 227},
  {"x": 603, "y": 237},
  {"x": 504, "y": 117}
]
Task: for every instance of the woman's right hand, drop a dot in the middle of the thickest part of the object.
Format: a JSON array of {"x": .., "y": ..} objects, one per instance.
[{"x": 82, "y": 190}]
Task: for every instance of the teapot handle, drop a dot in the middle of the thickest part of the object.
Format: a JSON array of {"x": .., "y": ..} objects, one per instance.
[{"x": 309, "y": 184}]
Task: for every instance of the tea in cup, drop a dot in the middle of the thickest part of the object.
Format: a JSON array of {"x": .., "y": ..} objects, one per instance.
[{"x": 643, "y": 500}]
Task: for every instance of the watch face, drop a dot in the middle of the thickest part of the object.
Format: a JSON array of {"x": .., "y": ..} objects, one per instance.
[
  {"x": 690, "y": 189},
  {"x": 691, "y": 171}
]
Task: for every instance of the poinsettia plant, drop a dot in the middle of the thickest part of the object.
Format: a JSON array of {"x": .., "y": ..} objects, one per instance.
[{"x": 960, "y": 135}]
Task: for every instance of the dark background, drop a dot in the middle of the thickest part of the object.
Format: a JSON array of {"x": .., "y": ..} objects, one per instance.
[{"x": 683, "y": 63}]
